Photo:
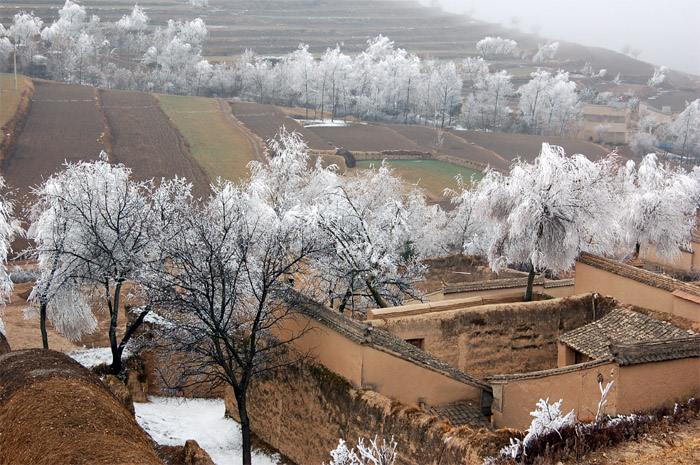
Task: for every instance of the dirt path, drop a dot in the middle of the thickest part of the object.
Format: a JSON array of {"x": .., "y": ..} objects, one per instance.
[{"x": 258, "y": 152}]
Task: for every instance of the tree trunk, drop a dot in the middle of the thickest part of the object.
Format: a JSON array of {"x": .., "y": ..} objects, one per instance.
[
  {"x": 42, "y": 325},
  {"x": 245, "y": 425},
  {"x": 116, "y": 366},
  {"x": 375, "y": 294},
  {"x": 530, "y": 282}
]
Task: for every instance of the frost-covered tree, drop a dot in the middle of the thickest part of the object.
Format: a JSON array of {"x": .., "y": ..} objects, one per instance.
[
  {"x": 199, "y": 4},
  {"x": 660, "y": 206},
  {"x": 658, "y": 77},
  {"x": 303, "y": 69},
  {"x": 72, "y": 20},
  {"x": 23, "y": 32},
  {"x": 546, "y": 52},
  {"x": 643, "y": 143},
  {"x": 447, "y": 87},
  {"x": 373, "y": 454},
  {"x": 548, "y": 212},
  {"x": 174, "y": 55},
  {"x": 549, "y": 103},
  {"x": 102, "y": 218},
  {"x": 466, "y": 231},
  {"x": 485, "y": 107},
  {"x": 225, "y": 286},
  {"x": 496, "y": 47},
  {"x": 685, "y": 129},
  {"x": 132, "y": 27},
  {"x": 9, "y": 229},
  {"x": 548, "y": 418},
  {"x": 379, "y": 232}
]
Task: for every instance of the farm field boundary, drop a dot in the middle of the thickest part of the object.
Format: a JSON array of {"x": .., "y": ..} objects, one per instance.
[{"x": 15, "y": 106}]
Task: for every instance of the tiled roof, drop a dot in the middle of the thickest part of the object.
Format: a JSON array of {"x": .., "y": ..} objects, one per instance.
[
  {"x": 656, "y": 351},
  {"x": 492, "y": 284},
  {"x": 686, "y": 296},
  {"x": 619, "y": 327},
  {"x": 501, "y": 379},
  {"x": 505, "y": 284},
  {"x": 461, "y": 414},
  {"x": 379, "y": 339},
  {"x": 637, "y": 274}
]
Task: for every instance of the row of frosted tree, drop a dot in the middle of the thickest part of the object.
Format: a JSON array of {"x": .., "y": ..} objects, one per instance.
[
  {"x": 381, "y": 83},
  {"x": 218, "y": 277}
]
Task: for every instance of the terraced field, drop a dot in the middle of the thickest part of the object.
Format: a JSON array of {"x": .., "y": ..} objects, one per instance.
[
  {"x": 221, "y": 147},
  {"x": 144, "y": 140},
  {"x": 431, "y": 175},
  {"x": 65, "y": 124},
  {"x": 527, "y": 147},
  {"x": 266, "y": 120}
]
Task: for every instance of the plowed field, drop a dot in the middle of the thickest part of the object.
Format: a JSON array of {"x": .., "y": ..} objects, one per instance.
[
  {"x": 366, "y": 138},
  {"x": 65, "y": 123},
  {"x": 452, "y": 145},
  {"x": 527, "y": 147},
  {"x": 144, "y": 140},
  {"x": 266, "y": 121}
]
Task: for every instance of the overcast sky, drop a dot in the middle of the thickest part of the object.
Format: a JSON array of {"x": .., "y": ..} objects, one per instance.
[{"x": 667, "y": 32}]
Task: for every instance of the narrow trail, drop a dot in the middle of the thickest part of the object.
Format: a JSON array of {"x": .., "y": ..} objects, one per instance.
[{"x": 258, "y": 153}]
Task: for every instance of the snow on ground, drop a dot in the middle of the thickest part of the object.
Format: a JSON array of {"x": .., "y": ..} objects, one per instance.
[
  {"x": 90, "y": 358},
  {"x": 322, "y": 123},
  {"x": 172, "y": 421}
]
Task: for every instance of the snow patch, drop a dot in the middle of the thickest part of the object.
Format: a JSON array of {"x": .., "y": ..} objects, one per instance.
[
  {"x": 323, "y": 123},
  {"x": 90, "y": 358},
  {"x": 172, "y": 421}
]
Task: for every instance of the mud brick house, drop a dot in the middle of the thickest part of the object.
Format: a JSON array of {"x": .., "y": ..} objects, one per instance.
[
  {"x": 651, "y": 364},
  {"x": 634, "y": 286}
]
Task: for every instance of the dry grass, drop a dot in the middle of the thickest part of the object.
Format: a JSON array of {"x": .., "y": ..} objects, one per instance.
[
  {"x": 53, "y": 410},
  {"x": 9, "y": 97},
  {"x": 220, "y": 148},
  {"x": 4, "y": 345}
]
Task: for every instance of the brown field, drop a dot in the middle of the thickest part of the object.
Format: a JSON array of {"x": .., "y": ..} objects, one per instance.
[
  {"x": 527, "y": 147},
  {"x": 453, "y": 145},
  {"x": 144, "y": 139},
  {"x": 266, "y": 120},
  {"x": 65, "y": 124},
  {"x": 366, "y": 138}
]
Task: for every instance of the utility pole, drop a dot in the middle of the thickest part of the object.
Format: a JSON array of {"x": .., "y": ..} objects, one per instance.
[{"x": 14, "y": 57}]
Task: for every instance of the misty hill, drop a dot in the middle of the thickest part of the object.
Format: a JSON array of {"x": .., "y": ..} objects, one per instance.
[{"x": 277, "y": 27}]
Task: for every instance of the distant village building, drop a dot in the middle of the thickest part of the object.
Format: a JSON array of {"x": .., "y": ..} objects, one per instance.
[{"x": 615, "y": 119}]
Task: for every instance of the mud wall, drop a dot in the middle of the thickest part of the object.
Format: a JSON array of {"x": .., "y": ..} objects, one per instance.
[
  {"x": 504, "y": 338},
  {"x": 303, "y": 411}
]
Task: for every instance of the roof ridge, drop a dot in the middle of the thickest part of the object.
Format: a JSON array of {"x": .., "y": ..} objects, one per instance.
[{"x": 644, "y": 276}]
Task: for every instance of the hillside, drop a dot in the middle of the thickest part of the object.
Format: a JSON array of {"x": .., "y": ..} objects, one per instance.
[{"x": 277, "y": 27}]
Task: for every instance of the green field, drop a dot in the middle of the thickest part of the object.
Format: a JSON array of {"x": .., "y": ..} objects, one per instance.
[
  {"x": 9, "y": 98},
  {"x": 220, "y": 148},
  {"x": 432, "y": 175}
]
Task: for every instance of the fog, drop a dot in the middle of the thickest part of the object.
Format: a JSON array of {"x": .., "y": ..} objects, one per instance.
[{"x": 666, "y": 32}]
